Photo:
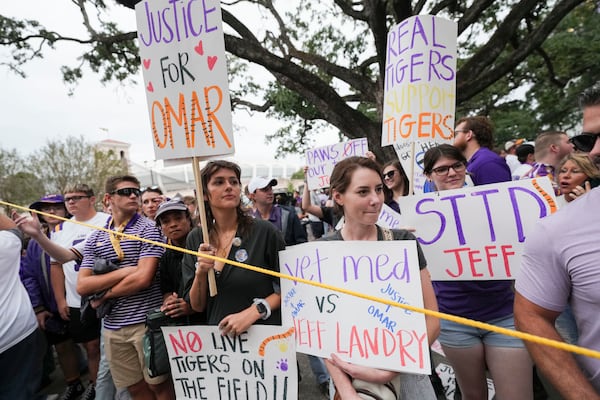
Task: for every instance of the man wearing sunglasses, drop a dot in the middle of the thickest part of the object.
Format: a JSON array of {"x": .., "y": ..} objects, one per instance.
[
  {"x": 134, "y": 286},
  {"x": 560, "y": 268},
  {"x": 587, "y": 141}
]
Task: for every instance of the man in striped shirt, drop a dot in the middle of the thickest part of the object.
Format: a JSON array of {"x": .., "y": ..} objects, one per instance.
[{"x": 133, "y": 286}]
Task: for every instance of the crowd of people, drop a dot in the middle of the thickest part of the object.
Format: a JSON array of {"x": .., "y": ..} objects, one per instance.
[{"x": 74, "y": 287}]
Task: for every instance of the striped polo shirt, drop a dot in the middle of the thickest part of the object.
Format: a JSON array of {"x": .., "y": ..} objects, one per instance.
[{"x": 132, "y": 309}]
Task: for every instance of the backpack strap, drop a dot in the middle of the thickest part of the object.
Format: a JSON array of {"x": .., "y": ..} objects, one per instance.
[{"x": 387, "y": 234}]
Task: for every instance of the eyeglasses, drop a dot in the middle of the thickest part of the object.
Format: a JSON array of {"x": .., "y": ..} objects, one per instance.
[
  {"x": 75, "y": 199},
  {"x": 52, "y": 207},
  {"x": 585, "y": 142},
  {"x": 127, "y": 192},
  {"x": 389, "y": 174},
  {"x": 444, "y": 169},
  {"x": 460, "y": 130}
]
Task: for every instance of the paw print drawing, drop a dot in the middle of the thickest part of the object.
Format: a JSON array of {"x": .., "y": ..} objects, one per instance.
[{"x": 282, "y": 364}]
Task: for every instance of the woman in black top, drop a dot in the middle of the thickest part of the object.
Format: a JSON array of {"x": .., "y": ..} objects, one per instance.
[{"x": 244, "y": 297}]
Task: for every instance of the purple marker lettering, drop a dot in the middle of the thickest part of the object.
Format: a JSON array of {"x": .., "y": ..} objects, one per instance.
[
  {"x": 438, "y": 213},
  {"x": 484, "y": 194},
  {"x": 513, "y": 200},
  {"x": 459, "y": 229}
]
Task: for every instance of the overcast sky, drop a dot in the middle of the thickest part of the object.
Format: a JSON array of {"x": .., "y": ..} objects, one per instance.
[{"x": 38, "y": 108}]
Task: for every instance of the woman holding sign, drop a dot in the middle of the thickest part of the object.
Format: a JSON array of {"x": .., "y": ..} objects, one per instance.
[
  {"x": 357, "y": 192},
  {"x": 472, "y": 351},
  {"x": 244, "y": 297}
]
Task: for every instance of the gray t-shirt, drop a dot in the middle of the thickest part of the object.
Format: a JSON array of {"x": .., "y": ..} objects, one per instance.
[{"x": 560, "y": 266}]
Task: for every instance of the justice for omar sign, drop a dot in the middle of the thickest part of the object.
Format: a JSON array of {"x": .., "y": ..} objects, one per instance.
[{"x": 182, "y": 51}]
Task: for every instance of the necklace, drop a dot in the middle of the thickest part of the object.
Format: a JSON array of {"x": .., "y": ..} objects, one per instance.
[{"x": 224, "y": 245}]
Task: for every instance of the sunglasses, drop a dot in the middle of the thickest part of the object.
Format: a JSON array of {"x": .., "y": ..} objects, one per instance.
[
  {"x": 127, "y": 192},
  {"x": 585, "y": 142},
  {"x": 444, "y": 169},
  {"x": 389, "y": 174},
  {"x": 75, "y": 199}
]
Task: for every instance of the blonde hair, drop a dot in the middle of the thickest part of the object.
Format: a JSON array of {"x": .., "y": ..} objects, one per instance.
[{"x": 584, "y": 162}]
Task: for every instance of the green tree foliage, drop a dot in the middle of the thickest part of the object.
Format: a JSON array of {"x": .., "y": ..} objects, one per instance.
[
  {"x": 51, "y": 168},
  {"x": 326, "y": 59},
  {"x": 11, "y": 164},
  {"x": 63, "y": 162}
]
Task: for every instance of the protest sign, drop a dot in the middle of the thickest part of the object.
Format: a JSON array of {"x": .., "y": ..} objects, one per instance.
[
  {"x": 388, "y": 218},
  {"x": 259, "y": 364},
  {"x": 321, "y": 160},
  {"x": 477, "y": 233},
  {"x": 361, "y": 331},
  {"x": 420, "y": 81},
  {"x": 182, "y": 51},
  {"x": 408, "y": 161}
]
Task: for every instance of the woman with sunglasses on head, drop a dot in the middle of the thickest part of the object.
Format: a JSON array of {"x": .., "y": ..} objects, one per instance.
[
  {"x": 244, "y": 297},
  {"x": 357, "y": 192},
  {"x": 471, "y": 351},
  {"x": 152, "y": 197},
  {"x": 575, "y": 173}
]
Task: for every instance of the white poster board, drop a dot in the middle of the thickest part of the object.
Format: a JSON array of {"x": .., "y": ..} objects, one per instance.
[
  {"x": 258, "y": 364},
  {"x": 182, "y": 51},
  {"x": 420, "y": 81},
  {"x": 477, "y": 233},
  {"x": 321, "y": 160},
  {"x": 388, "y": 218},
  {"x": 403, "y": 151},
  {"x": 361, "y": 331}
]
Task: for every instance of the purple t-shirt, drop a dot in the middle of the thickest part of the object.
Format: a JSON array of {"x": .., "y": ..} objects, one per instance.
[
  {"x": 479, "y": 300},
  {"x": 485, "y": 167},
  {"x": 560, "y": 267}
]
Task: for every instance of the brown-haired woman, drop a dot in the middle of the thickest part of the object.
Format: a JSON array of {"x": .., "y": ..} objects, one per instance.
[
  {"x": 244, "y": 297},
  {"x": 357, "y": 192}
]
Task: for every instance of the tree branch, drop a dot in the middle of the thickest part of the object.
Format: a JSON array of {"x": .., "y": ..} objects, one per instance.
[{"x": 468, "y": 88}]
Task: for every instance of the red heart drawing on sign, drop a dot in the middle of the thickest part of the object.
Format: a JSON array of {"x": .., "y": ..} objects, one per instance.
[
  {"x": 212, "y": 60},
  {"x": 150, "y": 87},
  {"x": 199, "y": 49},
  {"x": 146, "y": 63}
]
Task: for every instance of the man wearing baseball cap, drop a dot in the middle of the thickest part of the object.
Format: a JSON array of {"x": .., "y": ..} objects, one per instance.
[
  {"x": 174, "y": 219},
  {"x": 260, "y": 191}
]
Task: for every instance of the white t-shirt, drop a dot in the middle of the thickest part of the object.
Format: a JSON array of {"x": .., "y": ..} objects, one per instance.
[
  {"x": 70, "y": 235},
  {"x": 17, "y": 319},
  {"x": 513, "y": 162},
  {"x": 521, "y": 171}
]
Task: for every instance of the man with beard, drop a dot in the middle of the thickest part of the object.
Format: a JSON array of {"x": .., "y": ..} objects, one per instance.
[
  {"x": 474, "y": 137},
  {"x": 560, "y": 268}
]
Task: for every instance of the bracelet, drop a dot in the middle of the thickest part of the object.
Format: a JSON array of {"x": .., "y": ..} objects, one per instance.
[{"x": 265, "y": 303}]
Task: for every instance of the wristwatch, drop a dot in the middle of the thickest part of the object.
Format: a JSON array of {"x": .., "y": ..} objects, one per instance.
[{"x": 263, "y": 308}]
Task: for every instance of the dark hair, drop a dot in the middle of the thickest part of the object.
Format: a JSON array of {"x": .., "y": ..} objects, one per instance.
[
  {"x": 435, "y": 153},
  {"x": 211, "y": 168},
  {"x": 482, "y": 129},
  {"x": 396, "y": 164},
  {"x": 342, "y": 175},
  {"x": 523, "y": 151},
  {"x": 113, "y": 181},
  {"x": 79, "y": 187},
  {"x": 590, "y": 96}
]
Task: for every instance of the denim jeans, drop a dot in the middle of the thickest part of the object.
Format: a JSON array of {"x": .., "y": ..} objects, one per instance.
[
  {"x": 318, "y": 368},
  {"x": 105, "y": 387}
]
